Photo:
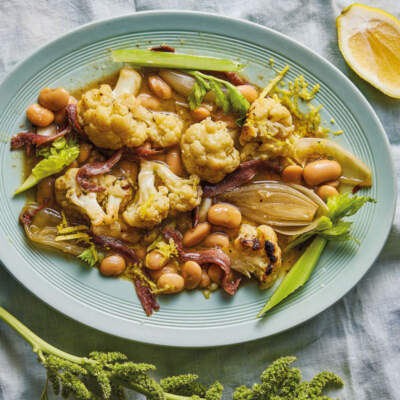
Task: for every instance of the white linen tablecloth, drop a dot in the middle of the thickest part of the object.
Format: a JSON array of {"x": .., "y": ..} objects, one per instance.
[{"x": 358, "y": 338}]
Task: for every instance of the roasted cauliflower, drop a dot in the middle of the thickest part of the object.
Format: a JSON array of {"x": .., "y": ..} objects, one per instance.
[
  {"x": 255, "y": 251},
  {"x": 268, "y": 129},
  {"x": 161, "y": 193},
  {"x": 115, "y": 118},
  {"x": 101, "y": 208},
  {"x": 208, "y": 150}
]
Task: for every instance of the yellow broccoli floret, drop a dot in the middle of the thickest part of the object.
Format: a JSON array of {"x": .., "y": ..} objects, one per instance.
[
  {"x": 115, "y": 118},
  {"x": 161, "y": 193},
  {"x": 101, "y": 208},
  {"x": 255, "y": 251},
  {"x": 208, "y": 150}
]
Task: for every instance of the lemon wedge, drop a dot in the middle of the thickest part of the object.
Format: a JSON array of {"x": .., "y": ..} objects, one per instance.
[{"x": 369, "y": 39}]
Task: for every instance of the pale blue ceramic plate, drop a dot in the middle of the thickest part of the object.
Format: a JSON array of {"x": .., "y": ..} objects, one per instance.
[{"x": 189, "y": 319}]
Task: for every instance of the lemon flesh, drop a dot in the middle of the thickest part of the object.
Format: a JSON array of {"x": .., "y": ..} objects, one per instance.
[{"x": 369, "y": 39}]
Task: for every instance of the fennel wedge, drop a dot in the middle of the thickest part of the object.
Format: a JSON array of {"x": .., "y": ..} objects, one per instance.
[
  {"x": 286, "y": 208},
  {"x": 331, "y": 227}
]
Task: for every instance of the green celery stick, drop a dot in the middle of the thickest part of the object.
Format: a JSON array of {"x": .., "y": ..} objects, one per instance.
[
  {"x": 29, "y": 182},
  {"x": 298, "y": 275},
  {"x": 148, "y": 58}
]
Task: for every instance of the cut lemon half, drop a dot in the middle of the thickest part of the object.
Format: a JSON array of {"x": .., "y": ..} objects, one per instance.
[{"x": 369, "y": 39}]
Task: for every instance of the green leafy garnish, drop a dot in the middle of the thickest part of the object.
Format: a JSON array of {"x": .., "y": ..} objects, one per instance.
[
  {"x": 56, "y": 157},
  {"x": 227, "y": 96},
  {"x": 281, "y": 382},
  {"x": 91, "y": 256},
  {"x": 158, "y": 59},
  {"x": 107, "y": 375},
  {"x": 330, "y": 227}
]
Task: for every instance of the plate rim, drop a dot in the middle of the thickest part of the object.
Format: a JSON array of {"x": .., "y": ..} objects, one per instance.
[{"x": 99, "y": 320}]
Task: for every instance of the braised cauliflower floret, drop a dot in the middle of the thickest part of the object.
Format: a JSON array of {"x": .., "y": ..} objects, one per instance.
[
  {"x": 256, "y": 252},
  {"x": 267, "y": 130},
  {"x": 267, "y": 118},
  {"x": 168, "y": 131},
  {"x": 208, "y": 150},
  {"x": 117, "y": 195},
  {"x": 161, "y": 193},
  {"x": 116, "y": 118},
  {"x": 119, "y": 230},
  {"x": 151, "y": 204},
  {"x": 184, "y": 193},
  {"x": 101, "y": 208}
]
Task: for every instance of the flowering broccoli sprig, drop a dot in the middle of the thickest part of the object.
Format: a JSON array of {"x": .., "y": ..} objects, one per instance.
[{"x": 107, "y": 375}]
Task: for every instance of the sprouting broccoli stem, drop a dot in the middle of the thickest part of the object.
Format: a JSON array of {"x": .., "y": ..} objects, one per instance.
[
  {"x": 44, "y": 350},
  {"x": 38, "y": 344},
  {"x": 113, "y": 372}
]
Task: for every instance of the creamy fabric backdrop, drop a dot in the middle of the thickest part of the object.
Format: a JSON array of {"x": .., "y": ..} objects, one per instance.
[{"x": 358, "y": 337}]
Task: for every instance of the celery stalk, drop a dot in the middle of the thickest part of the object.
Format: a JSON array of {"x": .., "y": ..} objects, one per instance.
[
  {"x": 148, "y": 58},
  {"x": 29, "y": 182},
  {"x": 298, "y": 275}
]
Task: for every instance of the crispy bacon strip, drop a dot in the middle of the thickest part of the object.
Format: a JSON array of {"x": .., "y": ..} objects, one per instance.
[
  {"x": 235, "y": 78},
  {"x": 164, "y": 48},
  {"x": 28, "y": 139},
  {"x": 195, "y": 216},
  {"x": 115, "y": 244},
  {"x": 73, "y": 119},
  {"x": 142, "y": 152},
  {"x": 242, "y": 175},
  {"x": 23, "y": 139},
  {"x": 148, "y": 299},
  {"x": 96, "y": 168},
  {"x": 210, "y": 256}
]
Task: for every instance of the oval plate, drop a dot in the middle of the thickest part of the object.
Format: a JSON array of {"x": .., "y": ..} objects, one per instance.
[{"x": 189, "y": 319}]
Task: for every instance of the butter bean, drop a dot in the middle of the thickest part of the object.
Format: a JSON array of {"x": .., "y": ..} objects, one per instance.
[
  {"x": 149, "y": 101},
  {"x": 45, "y": 192},
  {"x": 168, "y": 269},
  {"x": 249, "y": 92},
  {"x": 155, "y": 260},
  {"x": 321, "y": 171},
  {"x": 215, "y": 273},
  {"x": 159, "y": 87},
  {"x": 191, "y": 273},
  {"x": 196, "y": 235},
  {"x": 174, "y": 161},
  {"x": 293, "y": 174},
  {"x": 39, "y": 115},
  {"x": 113, "y": 265},
  {"x": 205, "y": 279},
  {"x": 173, "y": 282},
  {"x": 217, "y": 239},
  {"x": 326, "y": 191},
  {"x": 200, "y": 113},
  {"x": 223, "y": 214},
  {"x": 84, "y": 151},
  {"x": 53, "y": 99}
]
